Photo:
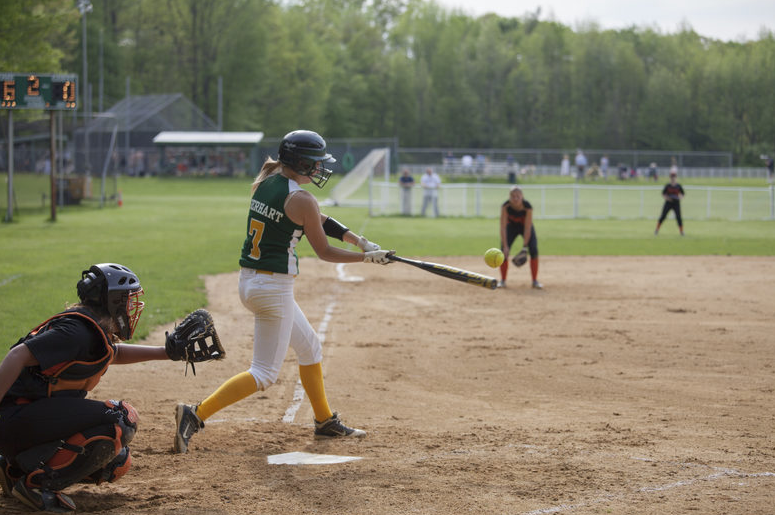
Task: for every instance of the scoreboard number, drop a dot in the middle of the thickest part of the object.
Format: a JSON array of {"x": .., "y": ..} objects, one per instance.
[{"x": 36, "y": 91}]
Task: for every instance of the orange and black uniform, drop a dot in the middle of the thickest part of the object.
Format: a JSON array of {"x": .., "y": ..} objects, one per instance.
[
  {"x": 51, "y": 436},
  {"x": 71, "y": 350},
  {"x": 516, "y": 227},
  {"x": 674, "y": 192}
]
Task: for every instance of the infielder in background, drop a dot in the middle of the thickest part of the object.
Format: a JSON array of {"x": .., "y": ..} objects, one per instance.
[
  {"x": 517, "y": 220},
  {"x": 280, "y": 213},
  {"x": 51, "y": 436},
  {"x": 673, "y": 193}
]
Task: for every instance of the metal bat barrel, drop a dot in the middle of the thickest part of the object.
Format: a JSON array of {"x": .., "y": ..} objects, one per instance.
[{"x": 449, "y": 272}]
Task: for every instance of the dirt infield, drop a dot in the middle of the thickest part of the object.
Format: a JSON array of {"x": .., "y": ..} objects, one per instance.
[{"x": 628, "y": 385}]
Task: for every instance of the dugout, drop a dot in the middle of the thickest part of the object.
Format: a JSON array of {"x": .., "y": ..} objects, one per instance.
[
  {"x": 208, "y": 153},
  {"x": 124, "y": 133}
]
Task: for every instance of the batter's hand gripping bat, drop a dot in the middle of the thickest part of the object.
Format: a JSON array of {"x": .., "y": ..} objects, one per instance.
[{"x": 449, "y": 272}]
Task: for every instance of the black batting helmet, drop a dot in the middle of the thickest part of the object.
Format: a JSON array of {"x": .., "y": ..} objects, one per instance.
[{"x": 305, "y": 152}]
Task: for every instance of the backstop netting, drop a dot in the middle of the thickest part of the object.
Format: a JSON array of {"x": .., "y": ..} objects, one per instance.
[{"x": 350, "y": 190}]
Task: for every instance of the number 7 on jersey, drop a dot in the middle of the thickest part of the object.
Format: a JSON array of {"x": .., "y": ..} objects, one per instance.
[{"x": 257, "y": 230}]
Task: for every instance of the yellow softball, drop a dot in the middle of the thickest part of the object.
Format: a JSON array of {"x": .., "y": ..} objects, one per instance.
[{"x": 493, "y": 257}]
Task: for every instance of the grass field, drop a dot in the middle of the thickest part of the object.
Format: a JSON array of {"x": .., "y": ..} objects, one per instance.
[{"x": 172, "y": 231}]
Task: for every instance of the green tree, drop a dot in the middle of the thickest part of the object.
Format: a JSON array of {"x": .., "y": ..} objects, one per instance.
[{"x": 36, "y": 35}]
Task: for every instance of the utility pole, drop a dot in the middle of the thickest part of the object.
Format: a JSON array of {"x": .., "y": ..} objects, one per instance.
[{"x": 84, "y": 6}]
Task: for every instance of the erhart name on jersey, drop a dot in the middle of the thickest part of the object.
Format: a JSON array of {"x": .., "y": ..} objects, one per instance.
[{"x": 264, "y": 210}]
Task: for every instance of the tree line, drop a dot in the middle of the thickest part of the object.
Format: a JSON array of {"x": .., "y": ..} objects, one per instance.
[{"x": 410, "y": 69}]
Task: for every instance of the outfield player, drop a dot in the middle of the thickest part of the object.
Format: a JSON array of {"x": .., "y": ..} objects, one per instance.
[
  {"x": 673, "y": 193},
  {"x": 51, "y": 436},
  {"x": 517, "y": 220},
  {"x": 280, "y": 213}
]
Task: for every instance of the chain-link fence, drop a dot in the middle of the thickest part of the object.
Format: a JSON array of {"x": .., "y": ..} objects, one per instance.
[{"x": 537, "y": 162}]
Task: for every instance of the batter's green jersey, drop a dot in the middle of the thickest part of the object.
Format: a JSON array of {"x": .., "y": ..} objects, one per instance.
[{"x": 271, "y": 236}]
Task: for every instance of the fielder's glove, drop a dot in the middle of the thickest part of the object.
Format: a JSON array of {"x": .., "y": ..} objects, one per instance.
[
  {"x": 366, "y": 245},
  {"x": 189, "y": 341},
  {"x": 521, "y": 257},
  {"x": 379, "y": 257}
]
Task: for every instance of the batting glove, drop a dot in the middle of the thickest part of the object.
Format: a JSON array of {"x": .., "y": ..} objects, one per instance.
[
  {"x": 379, "y": 257},
  {"x": 366, "y": 245}
]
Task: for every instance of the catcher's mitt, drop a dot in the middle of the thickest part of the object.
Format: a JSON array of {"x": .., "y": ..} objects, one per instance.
[
  {"x": 189, "y": 341},
  {"x": 521, "y": 258}
]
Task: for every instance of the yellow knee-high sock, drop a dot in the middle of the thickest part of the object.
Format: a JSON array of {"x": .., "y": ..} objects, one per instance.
[
  {"x": 233, "y": 390},
  {"x": 312, "y": 381}
]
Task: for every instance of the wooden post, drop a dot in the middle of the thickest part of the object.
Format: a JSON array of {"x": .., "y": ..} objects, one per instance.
[
  {"x": 52, "y": 126},
  {"x": 9, "y": 214}
]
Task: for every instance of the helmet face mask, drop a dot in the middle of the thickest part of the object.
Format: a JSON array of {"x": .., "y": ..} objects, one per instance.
[
  {"x": 132, "y": 311},
  {"x": 305, "y": 152},
  {"x": 116, "y": 289},
  {"x": 319, "y": 175}
]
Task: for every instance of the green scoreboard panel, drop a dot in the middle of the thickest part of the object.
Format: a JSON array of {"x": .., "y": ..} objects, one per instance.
[{"x": 35, "y": 91}]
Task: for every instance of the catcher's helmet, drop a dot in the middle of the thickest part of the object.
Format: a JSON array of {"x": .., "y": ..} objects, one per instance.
[
  {"x": 117, "y": 289},
  {"x": 305, "y": 152}
]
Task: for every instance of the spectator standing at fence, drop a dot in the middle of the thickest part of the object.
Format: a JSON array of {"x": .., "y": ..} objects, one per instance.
[
  {"x": 467, "y": 162},
  {"x": 770, "y": 163},
  {"x": 512, "y": 166},
  {"x": 406, "y": 181},
  {"x": 623, "y": 170},
  {"x": 604, "y": 166},
  {"x": 481, "y": 163},
  {"x": 673, "y": 193},
  {"x": 581, "y": 164},
  {"x": 565, "y": 165},
  {"x": 673, "y": 166},
  {"x": 430, "y": 183},
  {"x": 449, "y": 162},
  {"x": 654, "y": 172}
]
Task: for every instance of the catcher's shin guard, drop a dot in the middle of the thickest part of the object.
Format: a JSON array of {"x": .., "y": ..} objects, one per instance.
[
  {"x": 99, "y": 451},
  {"x": 126, "y": 418},
  {"x": 76, "y": 458},
  {"x": 113, "y": 471}
]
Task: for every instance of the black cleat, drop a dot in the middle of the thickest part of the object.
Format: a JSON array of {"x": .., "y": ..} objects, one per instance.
[
  {"x": 334, "y": 428},
  {"x": 187, "y": 422}
]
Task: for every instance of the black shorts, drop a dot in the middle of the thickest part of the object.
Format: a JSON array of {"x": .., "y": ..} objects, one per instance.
[
  {"x": 47, "y": 420},
  {"x": 514, "y": 230}
]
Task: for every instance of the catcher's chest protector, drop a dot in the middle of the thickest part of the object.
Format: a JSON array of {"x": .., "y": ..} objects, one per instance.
[{"x": 73, "y": 375}]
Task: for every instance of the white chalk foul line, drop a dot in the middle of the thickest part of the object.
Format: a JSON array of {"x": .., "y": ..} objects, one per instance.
[
  {"x": 298, "y": 392},
  {"x": 343, "y": 276},
  {"x": 720, "y": 473}
]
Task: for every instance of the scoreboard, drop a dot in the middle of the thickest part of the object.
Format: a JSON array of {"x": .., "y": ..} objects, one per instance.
[{"x": 35, "y": 91}]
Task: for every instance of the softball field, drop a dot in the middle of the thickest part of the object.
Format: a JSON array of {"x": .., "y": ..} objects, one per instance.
[{"x": 629, "y": 385}]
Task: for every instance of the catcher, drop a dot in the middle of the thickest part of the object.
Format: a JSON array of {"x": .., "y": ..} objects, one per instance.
[
  {"x": 517, "y": 220},
  {"x": 51, "y": 436}
]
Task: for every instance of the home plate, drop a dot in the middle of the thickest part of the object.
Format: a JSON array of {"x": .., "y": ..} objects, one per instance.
[{"x": 307, "y": 458}]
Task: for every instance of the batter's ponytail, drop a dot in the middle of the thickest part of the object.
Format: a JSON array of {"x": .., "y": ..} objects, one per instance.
[{"x": 270, "y": 167}]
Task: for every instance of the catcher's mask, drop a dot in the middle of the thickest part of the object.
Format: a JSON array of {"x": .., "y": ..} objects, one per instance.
[
  {"x": 305, "y": 152},
  {"x": 117, "y": 289}
]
